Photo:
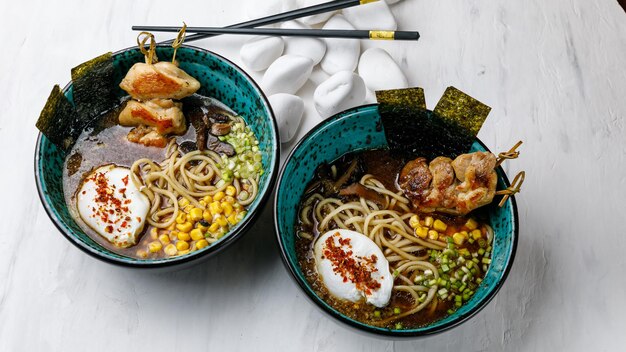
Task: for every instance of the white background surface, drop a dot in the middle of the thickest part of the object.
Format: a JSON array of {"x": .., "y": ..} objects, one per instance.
[{"x": 554, "y": 73}]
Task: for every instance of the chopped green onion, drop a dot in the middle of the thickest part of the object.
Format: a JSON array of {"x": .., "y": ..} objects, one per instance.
[
  {"x": 397, "y": 310},
  {"x": 377, "y": 313}
]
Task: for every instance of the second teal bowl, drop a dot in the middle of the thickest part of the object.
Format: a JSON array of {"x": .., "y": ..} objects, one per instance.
[
  {"x": 361, "y": 129},
  {"x": 220, "y": 79}
]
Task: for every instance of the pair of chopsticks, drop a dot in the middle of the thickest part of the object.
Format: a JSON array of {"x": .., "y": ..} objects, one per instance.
[{"x": 247, "y": 28}]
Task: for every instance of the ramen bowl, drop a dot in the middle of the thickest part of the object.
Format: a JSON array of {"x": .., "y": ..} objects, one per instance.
[
  {"x": 220, "y": 79},
  {"x": 358, "y": 129}
]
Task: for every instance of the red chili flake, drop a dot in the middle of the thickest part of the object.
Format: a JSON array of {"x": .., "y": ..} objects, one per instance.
[
  {"x": 125, "y": 180},
  {"x": 109, "y": 229},
  {"x": 357, "y": 270},
  {"x": 122, "y": 190}
]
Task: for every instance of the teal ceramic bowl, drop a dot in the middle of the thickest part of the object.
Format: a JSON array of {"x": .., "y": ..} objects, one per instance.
[
  {"x": 360, "y": 129},
  {"x": 220, "y": 79}
]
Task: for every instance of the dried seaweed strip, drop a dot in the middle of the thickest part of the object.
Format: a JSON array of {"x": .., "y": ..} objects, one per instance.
[
  {"x": 58, "y": 120},
  {"x": 411, "y": 97},
  {"x": 458, "y": 107},
  {"x": 418, "y": 132},
  {"x": 93, "y": 87}
]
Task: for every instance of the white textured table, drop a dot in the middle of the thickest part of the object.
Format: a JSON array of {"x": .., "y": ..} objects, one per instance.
[{"x": 554, "y": 73}]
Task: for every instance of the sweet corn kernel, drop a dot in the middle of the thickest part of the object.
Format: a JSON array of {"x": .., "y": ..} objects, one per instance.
[
  {"x": 207, "y": 216},
  {"x": 414, "y": 221},
  {"x": 155, "y": 246},
  {"x": 188, "y": 208},
  {"x": 165, "y": 239},
  {"x": 232, "y": 219},
  {"x": 203, "y": 203},
  {"x": 471, "y": 224},
  {"x": 433, "y": 235},
  {"x": 202, "y": 229},
  {"x": 207, "y": 199},
  {"x": 182, "y": 245},
  {"x": 196, "y": 235},
  {"x": 183, "y": 252},
  {"x": 218, "y": 196},
  {"x": 421, "y": 231},
  {"x": 183, "y": 236},
  {"x": 172, "y": 226},
  {"x": 476, "y": 234},
  {"x": 195, "y": 214},
  {"x": 458, "y": 238},
  {"x": 440, "y": 225},
  {"x": 186, "y": 227},
  {"x": 154, "y": 231},
  {"x": 181, "y": 218},
  {"x": 221, "y": 221},
  {"x": 183, "y": 202},
  {"x": 142, "y": 254},
  {"x": 428, "y": 222},
  {"x": 173, "y": 235},
  {"x": 228, "y": 208},
  {"x": 231, "y": 191},
  {"x": 170, "y": 249},
  {"x": 215, "y": 208},
  {"x": 214, "y": 227},
  {"x": 237, "y": 205},
  {"x": 201, "y": 244}
]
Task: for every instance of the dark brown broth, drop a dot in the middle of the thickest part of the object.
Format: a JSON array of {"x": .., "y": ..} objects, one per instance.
[{"x": 104, "y": 142}]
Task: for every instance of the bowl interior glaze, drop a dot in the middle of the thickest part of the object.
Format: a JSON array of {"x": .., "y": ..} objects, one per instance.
[
  {"x": 360, "y": 129},
  {"x": 220, "y": 79}
]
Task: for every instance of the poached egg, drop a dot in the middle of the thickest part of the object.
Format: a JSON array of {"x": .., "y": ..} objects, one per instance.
[
  {"x": 111, "y": 205},
  {"x": 353, "y": 267}
]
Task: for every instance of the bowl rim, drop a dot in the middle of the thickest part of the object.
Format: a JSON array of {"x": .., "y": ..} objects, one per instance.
[
  {"x": 362, "y": 327},
  {"x": 193, "y": 256}
]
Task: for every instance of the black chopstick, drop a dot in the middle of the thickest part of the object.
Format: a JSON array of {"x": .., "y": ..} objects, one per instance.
[
  {"x": 320, "y": 33},
  {"x": 285, "y": 16}
]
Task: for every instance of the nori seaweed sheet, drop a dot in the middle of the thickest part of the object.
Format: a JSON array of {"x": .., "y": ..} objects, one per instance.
[
  {"x": 411, "y": 97},
  {"x": 92, "y": 90},
  {"x": 58, "y": 120},
  {"x": 458, "y": 107},
  {"x": 411, "y": 130}
]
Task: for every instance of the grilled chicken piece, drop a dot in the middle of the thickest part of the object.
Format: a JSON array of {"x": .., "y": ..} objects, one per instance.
[
  {"x": 163, "y": 114},
  {"x": 147, "y": 136},
  {"x": 162, "y": 80},
  {"x": 455, "y": 187},
  {"x": 478, "y": 179}
]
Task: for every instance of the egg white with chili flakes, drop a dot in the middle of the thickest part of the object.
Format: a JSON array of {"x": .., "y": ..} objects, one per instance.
[
  {"x": 111, "y": 205},
  {"x": 353, "y": 267}
]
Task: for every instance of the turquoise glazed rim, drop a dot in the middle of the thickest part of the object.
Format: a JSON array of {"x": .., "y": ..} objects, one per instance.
[
  {"x": 357, "y": 129},
  {"x": 220, "y": 79}
]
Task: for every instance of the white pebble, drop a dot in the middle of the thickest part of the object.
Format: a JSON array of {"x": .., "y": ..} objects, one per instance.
[
  {"x": 259, "y": 52},
  {"x": 257, "y": 9},
  {"x": 315, "y": 19},
  {"x": 318, "y": 76},
  {"x": 341, "y": 54},
  {"x": 380, "y": 71},
  {"x": 343, "y": 90},
  {"x": 313, "y": 48},
  {"x": 287, "y": 74},
  {"x": 288, "y": 110},
  {"x": 375, "y": 15}
]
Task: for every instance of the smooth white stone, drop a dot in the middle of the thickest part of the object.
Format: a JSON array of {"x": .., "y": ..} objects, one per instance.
[
  {"x": 315, "y": 19},
  {"x": 263, "y": 8},
  {"x": 287, "y": 74},
  {"x": 318, "y": 76},
  {"x": 288, "y": 109},
  {"x": 341, "y": 54},
  {"x": 380, "y": 71},
  {"x": 370, "y": 97},
  {"x": 375, "y": 15},
  {"x": 259, "y": 52},
  {"x": 313, "y": 48},
  {"x": 343, "y": 90}
]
